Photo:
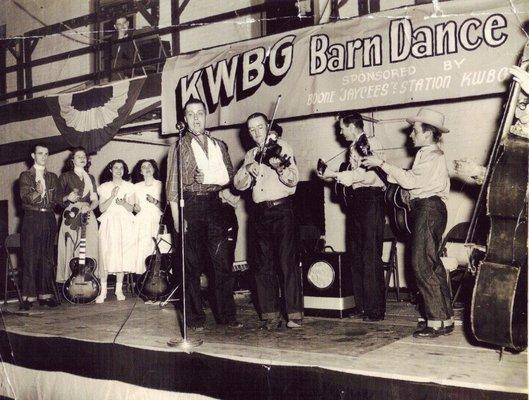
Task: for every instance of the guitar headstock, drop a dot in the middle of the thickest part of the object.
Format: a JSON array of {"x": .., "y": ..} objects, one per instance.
[
  {"x": 84, "y": 219},
  {"x": 321, "y": 167},
  {"x": 362, "y": 146}
]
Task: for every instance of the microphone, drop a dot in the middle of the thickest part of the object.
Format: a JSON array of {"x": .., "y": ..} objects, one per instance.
[{"x": 180, "y": 126}]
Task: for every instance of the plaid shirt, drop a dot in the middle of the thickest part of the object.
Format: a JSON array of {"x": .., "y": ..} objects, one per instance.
[{"x": 189, "y": 166}]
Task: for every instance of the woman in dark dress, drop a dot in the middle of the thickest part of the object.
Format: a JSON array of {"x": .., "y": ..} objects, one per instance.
[{"x": 79, "y": 196}]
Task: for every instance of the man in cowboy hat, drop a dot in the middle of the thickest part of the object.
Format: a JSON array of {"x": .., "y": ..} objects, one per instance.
[{"x": 429, "y": 185}]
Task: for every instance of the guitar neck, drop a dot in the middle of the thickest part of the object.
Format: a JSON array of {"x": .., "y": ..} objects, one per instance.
[
  {"x": 161, "y": 226},
  {"x": 82, "y": 245},
  {"x": 382, "y": 175},
  {"x": 364, "y": 149},
  {"x": 240, "y": 266},
  {"x": 82, "y": 251}
]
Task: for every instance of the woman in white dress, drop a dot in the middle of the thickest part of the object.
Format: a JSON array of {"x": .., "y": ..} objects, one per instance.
[
  {"x": 117, "y": 241},
  {"x": 148, "y": 194}
]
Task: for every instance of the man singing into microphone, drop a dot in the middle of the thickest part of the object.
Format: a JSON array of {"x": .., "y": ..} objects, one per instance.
[{"x": 206, "y": 172}]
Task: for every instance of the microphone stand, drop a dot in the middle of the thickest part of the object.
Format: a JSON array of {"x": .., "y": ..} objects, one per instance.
[{"x": 183, "y": 342}]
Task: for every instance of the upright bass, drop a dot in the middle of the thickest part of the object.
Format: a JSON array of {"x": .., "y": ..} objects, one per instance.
[{"x": 499, "y": 299}]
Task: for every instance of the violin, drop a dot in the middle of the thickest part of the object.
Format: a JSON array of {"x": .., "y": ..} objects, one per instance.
[{"x": 272, "y": 149}]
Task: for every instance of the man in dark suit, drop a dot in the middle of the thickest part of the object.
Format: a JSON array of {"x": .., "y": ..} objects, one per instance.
[{"x": 39, "y": 192}]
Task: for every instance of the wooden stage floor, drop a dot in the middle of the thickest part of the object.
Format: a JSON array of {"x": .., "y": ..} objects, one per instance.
[{"x": 383, "y": 349}]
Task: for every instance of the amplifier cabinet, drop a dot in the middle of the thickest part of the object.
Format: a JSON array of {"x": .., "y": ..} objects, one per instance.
[{"x": 327, "y": 285}]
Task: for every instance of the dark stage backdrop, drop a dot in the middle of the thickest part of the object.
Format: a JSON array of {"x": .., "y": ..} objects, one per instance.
[
  {"x": 4, "y": 231},
  {"x": 310, "y": 214}
]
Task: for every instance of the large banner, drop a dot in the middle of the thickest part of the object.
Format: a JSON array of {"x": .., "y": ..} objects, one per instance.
[{"x": 399, "y": 57}]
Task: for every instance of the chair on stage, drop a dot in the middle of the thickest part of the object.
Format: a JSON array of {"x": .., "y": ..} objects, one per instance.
[
  {"x": 455, "y": 236},
  {"x": 12, "y": 249},
  {"x": 391, "y": 266}
]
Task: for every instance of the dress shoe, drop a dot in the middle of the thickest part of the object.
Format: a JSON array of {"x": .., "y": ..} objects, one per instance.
[
  {"x": 294, "y": 324},
  {"x": 25, "y": 305},
  {"x": 356, "y": 313},
  {"x": 196, "y": 327},
  {"x": 429, "y": 332},
  {"x": 51, "y": 302},
  {"x": 234, "y": 324},
  {"x": 421, "y": 324},
  {"x": 271, "y": 325},
  {"x": 373, "y": 317},
  {"x": 447, "y": 330}
]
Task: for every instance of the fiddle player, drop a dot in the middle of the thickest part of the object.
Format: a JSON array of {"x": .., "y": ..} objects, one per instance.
[
  {"x": 272, "y": 222},
  {"x": 429, "y": 185},
  {"x": 40, "y": 193},
  {"x": 365, "y": 212},
  {"x": 207, "y": 169}
]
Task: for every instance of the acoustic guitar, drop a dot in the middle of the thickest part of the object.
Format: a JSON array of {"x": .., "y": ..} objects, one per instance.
[
  {"x": 396, "y": 198},
  {"x": 343, "y": 192},
  {"x": 82, "y": 287},
  {"x": 156, "y": 282}
]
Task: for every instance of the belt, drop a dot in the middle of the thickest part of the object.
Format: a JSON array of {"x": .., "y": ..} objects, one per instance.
[
  {"x": 33, "y": 208},
  {"x": 425, "y": 199},
  {"x": 369, "y": 189},
  {"x": 201, "y": 195},
  {"x": 350, "y": 192},
  {"x": 273, "y": 203}
]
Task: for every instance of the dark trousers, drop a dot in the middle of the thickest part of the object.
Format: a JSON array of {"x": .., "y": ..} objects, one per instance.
[
  {"x": 428, "y": 218},
  {"x": 207, "y": 241},
  {"x": 365, "y": 223},
  {"x": 39, "y": 230},
  {"x": 274, "y": 231}
]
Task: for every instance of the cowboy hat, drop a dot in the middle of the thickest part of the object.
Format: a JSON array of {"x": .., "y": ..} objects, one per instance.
[{"x": 430, "y": 117}]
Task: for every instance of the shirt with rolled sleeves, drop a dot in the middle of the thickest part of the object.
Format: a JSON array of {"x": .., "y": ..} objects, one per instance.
[
  {"x": 269, "y": 184},
  {"x": 427, "y": 177}
]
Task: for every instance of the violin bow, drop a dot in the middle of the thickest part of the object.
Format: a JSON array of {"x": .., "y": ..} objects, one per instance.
[{"x": 268, "y": 132}]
